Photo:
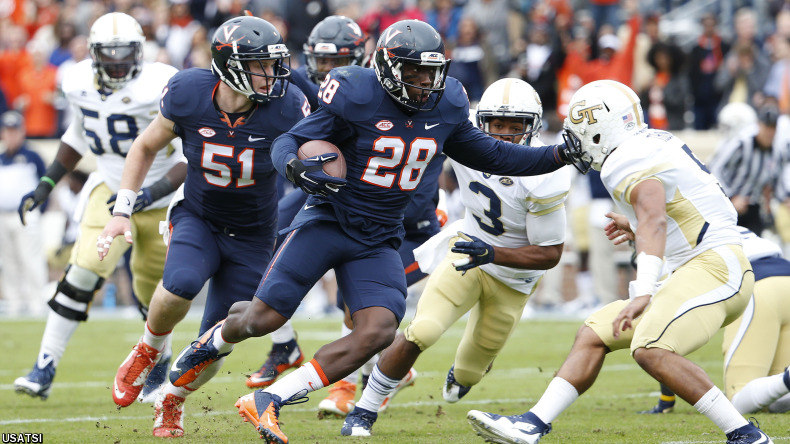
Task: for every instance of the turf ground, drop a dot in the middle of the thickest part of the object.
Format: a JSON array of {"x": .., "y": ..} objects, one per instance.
[{"x": 80, "y": 407}]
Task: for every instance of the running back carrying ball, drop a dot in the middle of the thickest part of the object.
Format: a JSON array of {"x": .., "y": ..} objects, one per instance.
[{"x": 334, "y": 168}]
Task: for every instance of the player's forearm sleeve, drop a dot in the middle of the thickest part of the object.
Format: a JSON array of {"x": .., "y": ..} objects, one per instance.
[
  {"x": 283, "y": 150},
  {"x": 471, "y": 147}
]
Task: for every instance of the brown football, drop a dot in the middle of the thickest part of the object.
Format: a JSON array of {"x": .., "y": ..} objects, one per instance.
[{"x": 334, "y": 168}]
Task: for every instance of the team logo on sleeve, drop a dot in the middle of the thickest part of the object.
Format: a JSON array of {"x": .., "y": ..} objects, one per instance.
[
  {"x": 384, "y": 125},
  {"x": 207, "y": 132},
  {"x": 578, "y": 114},
  {"x": 506, "y": 181}
]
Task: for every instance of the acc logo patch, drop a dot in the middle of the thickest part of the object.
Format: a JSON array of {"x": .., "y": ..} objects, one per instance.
[
  {"x": 207, "y": 132},
  {"x": 384, "y": 125},
  {"x": 506, "y": 181}
]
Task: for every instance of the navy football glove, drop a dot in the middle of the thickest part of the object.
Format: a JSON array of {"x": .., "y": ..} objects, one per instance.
[
  {"x": 33, "y": 199},
  {"x": 144, "y": 199},
  {"x": 309, "y": 175},
  {"x": 479, "y": 252}
]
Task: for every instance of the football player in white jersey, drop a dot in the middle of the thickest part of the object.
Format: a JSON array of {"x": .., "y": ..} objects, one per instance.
[
  {"x": 514, "y": 230},
  {"x": 114, "y": 96},
  {"x": 684, "y": 226},
  {"x": 756, "y": 347}
]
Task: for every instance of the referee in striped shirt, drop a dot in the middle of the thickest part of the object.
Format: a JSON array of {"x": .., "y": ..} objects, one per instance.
[{"x": 748, "y": 168}]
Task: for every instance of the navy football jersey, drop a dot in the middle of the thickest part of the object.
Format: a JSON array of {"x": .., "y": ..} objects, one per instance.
[
  {"x": 419, "y": 217},
  {"x": 230, "y": 177},
  {"x": 387, "y": 151},
  {"x": 310, "y": 89}
]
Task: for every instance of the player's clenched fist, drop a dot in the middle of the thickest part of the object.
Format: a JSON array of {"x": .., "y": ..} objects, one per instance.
[{"x": 117, "y": 226}]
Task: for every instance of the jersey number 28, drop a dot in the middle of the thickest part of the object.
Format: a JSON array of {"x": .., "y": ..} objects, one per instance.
[{"x": 382, "y": 170}]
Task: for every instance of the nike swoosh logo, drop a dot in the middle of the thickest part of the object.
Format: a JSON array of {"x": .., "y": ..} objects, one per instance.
[
  {"x": 118, "y": 394},
  {"x": 255, "y": 139},
  {"x": 431, "y": 126},
  {"x": 128, "y": 202},
  {"x": 44, "y": 361},
  {"x": 307, "y": 207}
]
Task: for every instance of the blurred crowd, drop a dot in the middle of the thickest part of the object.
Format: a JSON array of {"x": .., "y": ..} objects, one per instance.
[{"x": 687, "y": 59}]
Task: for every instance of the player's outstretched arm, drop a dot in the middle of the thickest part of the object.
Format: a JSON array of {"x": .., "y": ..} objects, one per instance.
[
  {"x": 141, "y": 155},
  {"x": 648, "y": 200},
  {"x": 477, "y": 150},
  {"x": 65, "y": 161}
]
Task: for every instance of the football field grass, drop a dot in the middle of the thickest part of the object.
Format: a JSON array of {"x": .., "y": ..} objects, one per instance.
[{"x": 80, "y": 407}]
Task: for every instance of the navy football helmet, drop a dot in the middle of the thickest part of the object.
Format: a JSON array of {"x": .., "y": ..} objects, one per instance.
[
  {"x": 416, "y": 43},
  {"x": 242, "y": 41},
  {"x": 335, "y": 37}
]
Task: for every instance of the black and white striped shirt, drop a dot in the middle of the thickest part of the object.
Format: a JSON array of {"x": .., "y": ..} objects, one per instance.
[{"x": 743, "y": 169}]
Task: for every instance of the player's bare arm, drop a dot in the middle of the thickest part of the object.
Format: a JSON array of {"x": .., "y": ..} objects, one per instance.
[
  {"x": 651, "y": 234},
  {"x": 141, "y": 155},
  {"x": 531, "y": 257}
]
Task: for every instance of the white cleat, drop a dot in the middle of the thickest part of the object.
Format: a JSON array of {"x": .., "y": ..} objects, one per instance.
[{"x": 516, "y": 429}]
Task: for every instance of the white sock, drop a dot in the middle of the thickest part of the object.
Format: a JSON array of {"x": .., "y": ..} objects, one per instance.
[
  {"x": 155, "y": 340},
  {"x": 584, "y": 286},
  {"x": 759, "y": 393},
  {"x": 781, "y": 405},
  {"x": 354, "y": 376},
  {"x": 283, "y": 334},
  {"x": 720, "y": 410},
  {"x": 307, "y": 378},
  {"x": 56, "y": 336},
  {"x": 379, "y": 386},
  {"x": 559, "y": 395},
  {"x": 181, "y": 392},
  {"x": 367, "y": 368},
  {"x": 220, "y": 343},
  {"x": 207, "y": 373}
]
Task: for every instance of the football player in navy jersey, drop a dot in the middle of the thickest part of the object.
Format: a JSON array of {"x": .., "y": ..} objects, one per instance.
[
  {"x": 389, "y": 122},
  {"x": 338, "y": 41},
  {"x": 222, "y": 225}
]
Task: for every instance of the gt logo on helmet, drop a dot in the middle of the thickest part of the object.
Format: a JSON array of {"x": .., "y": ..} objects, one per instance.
[{"x": 584, "y": 113}]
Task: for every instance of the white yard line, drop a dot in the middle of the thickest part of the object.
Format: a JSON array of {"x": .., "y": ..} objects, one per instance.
[{"x": 773, "y": 438}]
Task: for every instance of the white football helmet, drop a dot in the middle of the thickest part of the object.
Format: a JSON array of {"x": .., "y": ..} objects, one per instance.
[
  {"x": 512, "y": 98},
  {"x": 116, "y": 47},
  {"x": 602, "y": 114},
  {"x": 733, "y": 117}
]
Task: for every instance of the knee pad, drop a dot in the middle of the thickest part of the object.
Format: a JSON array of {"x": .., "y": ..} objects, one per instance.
[
  {"x": 424, "y": 333},
  {"x": 75, "y": 292}
]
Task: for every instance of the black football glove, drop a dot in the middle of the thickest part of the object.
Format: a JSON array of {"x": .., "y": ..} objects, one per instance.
[
  {"x": 309, "y": 175},
  {"x": 33, "y": 199},
  {"x": 144, "y": 199},
  {"x": 479, "y": 252}
]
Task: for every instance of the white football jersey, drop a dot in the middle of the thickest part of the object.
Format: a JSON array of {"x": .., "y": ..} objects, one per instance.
[
  {"x": 756, "y": 247},
  {"x": 513, "y": 212},
  {"x": 107, "y": 125},
  {"x": 699, "y": 215}
]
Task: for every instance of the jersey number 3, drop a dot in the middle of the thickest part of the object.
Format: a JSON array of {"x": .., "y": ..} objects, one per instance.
[{"x": 381, "y": 170}]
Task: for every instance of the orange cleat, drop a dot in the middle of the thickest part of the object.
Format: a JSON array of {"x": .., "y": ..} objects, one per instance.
[
  {"x": 169, "y": 416},
  {"x": 267, "y": 422},
  {"x": 131, "y": 375},
  {"x": 340, "y": 400}
]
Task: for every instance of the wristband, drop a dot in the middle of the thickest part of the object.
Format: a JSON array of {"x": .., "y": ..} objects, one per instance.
[
  {"x": 648, "y": 270},
  {"x": 49, "y": 181},
  {"x": 124, "y": 202}
]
